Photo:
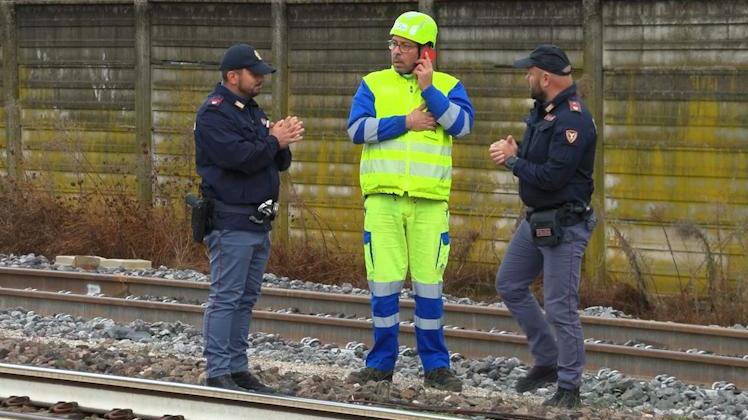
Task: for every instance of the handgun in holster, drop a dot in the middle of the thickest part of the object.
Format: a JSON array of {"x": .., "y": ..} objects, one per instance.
[{"x": 202, "y": 216}]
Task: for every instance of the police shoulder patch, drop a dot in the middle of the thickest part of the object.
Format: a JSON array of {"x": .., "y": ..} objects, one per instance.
[
  {"x": 575, "y": 106},
  {"x": 215, "y": 100},
  {"x": 571, "y": 136}
]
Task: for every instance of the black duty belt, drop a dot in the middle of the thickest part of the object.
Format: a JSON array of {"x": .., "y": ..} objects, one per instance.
[
  {"x": 568, "y": 214},
  {"x": 257, "y": 213},
  {"x": 244, "y": 209}
]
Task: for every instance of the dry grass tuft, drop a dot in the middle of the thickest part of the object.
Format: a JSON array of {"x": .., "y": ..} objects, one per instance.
[
  {"x": 109, "y": 226},
  {"x": 117, "y": 226}
]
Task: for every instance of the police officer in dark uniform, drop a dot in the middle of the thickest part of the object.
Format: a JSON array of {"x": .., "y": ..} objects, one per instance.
[
  {"x": 239, "y": 154},
  {"x": 554, "y": 165}
]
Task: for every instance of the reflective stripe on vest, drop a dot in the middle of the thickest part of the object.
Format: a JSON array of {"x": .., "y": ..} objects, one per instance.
[{"x": 417, "y": 162}]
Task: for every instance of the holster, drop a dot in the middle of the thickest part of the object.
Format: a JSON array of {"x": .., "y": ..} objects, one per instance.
[
  {"x": 545, "y": 227},
  {"x": 202, "y": 216}
]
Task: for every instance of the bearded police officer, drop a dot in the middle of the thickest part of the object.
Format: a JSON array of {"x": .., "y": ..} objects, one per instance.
[
  {"x": 554, "y": 165},
  {"x": 239, "y": 154}
]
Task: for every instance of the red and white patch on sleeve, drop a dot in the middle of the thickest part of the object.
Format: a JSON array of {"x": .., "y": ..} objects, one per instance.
[
  {"x": 575, "y": 106},
  {"x": 571, "y": 136},
  {"x": 216, "y": 100}
]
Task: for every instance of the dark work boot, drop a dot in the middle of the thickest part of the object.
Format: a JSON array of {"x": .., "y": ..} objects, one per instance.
[
  {"x": 249, "y": 382},
  {"x": 564, "y": 398},
  {"x": 536, "y": 377},
  {"x": 369, "y": 374},
  {"x": 443, "y": 378},
  {"x": 225, "y": 382}
]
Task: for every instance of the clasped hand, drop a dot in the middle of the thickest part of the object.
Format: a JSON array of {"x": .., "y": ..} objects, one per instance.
[
  {"x": 288, "y": 130},
  {"x": 501, "y": 150}
]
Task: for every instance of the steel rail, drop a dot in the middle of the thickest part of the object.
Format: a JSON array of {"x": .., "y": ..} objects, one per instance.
[
  {"x": 633, "y": 361},
  {"x": 156, "y": 398},
  {"x": 670, "y": 335}
]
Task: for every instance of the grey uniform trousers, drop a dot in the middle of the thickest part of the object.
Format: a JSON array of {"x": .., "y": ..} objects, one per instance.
[
  {"x": 237, "y": 263},
  {"x": 561, "y": 267}
]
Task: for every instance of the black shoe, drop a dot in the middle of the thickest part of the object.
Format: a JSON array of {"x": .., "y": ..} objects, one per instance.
[
  {"x": 537, "y": 377},
  {"x": 247, "y": 381},
  {"x": 225, "y": 382},
  {"x": 369, "y": 374},
  {"x": 443, "y": 378},
  {"x": 564, "y": 398}
]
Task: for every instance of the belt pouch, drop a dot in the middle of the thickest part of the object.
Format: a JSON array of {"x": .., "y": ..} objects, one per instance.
[{"x": 545, "y": 228}]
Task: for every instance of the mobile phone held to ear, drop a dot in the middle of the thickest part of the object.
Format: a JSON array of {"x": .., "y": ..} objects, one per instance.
[{"x": 428, "y": 52}]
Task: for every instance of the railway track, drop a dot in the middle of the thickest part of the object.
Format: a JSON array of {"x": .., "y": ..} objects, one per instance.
[
  {"x": 151, "y": 400},
  {"x": 473, "y": 339}
]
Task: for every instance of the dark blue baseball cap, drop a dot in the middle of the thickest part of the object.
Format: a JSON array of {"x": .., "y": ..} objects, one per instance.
[
  {"x": 547, "y": 57},
  {"x": 243, "y": 56}
]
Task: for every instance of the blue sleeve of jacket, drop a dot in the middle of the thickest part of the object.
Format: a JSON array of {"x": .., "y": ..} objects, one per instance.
[
  {"x": 364, "y": 127},
  {"x": 283, "y": 158},
  {"x": 454, "y": 112},
  {"x": 563, "y": 160},
  {"x": 226, "y": 146}
]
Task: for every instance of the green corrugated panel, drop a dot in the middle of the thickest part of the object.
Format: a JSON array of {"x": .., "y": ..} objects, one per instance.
[
  {"x": 84, "y": 162},
  {"x": 74, "y": 140},
  {"x": 86, "y": 182}
]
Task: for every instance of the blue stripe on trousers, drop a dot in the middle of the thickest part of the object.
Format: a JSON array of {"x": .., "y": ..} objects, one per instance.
[
  {"x": 383, "y": 354},
  {"x": 431, "y": 346}
]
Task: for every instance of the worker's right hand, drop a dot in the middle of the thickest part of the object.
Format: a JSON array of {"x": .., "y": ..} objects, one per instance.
[
  {"x": 287, "y": 131},
  {"x": 420, "y": 120}
]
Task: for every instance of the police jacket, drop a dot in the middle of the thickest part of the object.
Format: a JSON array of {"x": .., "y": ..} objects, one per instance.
[
  {"x": 557, "y": 153},
  {"x": 237, "y": 158}
]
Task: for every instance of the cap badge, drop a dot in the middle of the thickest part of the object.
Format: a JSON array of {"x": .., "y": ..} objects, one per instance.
[
  {"x": 258, "y": 55},
  {"x": 571, "y": 136}
]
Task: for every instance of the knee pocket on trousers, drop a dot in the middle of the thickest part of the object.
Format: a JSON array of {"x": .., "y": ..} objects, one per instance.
[
  {"x": 442, "y": 254},
  {"x": 368, "y": 252}
]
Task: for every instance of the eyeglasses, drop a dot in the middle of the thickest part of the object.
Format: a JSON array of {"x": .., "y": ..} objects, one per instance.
[{"x": 404, "y": 48}]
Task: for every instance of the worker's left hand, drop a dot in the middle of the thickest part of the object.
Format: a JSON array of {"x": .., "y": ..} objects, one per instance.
[{"x": 424, "y": 72}]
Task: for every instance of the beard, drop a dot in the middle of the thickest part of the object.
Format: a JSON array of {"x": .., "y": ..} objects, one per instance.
[
  {"x": 250, "y": 91},
  {"x": 537, "y": 93}
]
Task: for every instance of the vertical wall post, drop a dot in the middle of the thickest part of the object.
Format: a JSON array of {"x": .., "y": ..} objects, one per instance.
[
  {"x": 14, "y": 146},
  {"x": 143, "y": 118},
  {"x": 427, "y": 6},
  {"x": 278, "y": 9},
  {"x": 593, "y": 70}
]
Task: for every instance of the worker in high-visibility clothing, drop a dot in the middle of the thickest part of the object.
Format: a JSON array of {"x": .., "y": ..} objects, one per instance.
[{"x": 405, "y": 117}]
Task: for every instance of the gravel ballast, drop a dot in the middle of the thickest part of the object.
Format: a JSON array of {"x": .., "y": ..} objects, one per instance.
[{"x": 173, "y": 352}]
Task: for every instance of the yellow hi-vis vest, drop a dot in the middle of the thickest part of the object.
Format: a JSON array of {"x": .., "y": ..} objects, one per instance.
[{"x": 417, "y": 162}]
